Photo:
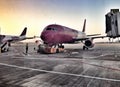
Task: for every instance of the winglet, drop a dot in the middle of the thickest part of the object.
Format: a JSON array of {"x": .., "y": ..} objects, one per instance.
[
  {"x": 84, "y": 26},
  {"x": 24, "y": 32}
]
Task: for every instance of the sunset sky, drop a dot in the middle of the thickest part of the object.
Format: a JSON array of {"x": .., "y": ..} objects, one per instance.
[{"x": 36, "y": 14}]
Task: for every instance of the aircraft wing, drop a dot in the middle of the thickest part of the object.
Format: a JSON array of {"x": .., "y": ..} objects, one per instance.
[
  {"x": 14, "y": 39},
  {"x": 80, "y": 39},
  {"x": 29, "y": 37},
  {"x": 98, "y": 37},
  {"x": 95, "y": 37}
]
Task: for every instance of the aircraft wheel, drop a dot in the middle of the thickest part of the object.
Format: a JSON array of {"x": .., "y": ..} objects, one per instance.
[
  {"x": 57, "y": 50},
  {"x": 7, "y": 49},
  {"x": 84, "y": 47},
  {"x": 62, "y": 46},
  {"x": 9, "y": 44}
]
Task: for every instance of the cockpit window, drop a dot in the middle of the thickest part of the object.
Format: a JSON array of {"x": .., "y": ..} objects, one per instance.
[{"x": 50, "y": 29}]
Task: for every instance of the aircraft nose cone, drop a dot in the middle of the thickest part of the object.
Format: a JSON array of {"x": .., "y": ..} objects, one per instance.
[
  {"x": 47, "y": 37},
  {"x": 43, "y": 37}
]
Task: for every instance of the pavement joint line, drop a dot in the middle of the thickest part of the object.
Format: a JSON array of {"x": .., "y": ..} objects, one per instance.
[
  {"x": 115, "y": 69},
  {"x": 62, "y": 73}
]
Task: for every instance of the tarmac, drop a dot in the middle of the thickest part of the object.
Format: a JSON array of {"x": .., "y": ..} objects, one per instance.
[{"x": 96, "y": 67}]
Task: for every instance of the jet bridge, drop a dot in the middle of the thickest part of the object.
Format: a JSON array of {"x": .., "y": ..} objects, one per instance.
[{"x": 113, "y": 23}]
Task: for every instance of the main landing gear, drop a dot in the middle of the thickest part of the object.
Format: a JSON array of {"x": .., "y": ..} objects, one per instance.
[{"x": 85, "y": 48}]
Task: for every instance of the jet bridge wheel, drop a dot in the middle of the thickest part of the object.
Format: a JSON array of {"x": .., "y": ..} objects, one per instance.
[{"x": 85, "y": 48}]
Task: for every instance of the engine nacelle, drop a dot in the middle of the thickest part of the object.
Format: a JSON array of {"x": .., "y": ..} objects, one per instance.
[{"x": 88, "y": 43}]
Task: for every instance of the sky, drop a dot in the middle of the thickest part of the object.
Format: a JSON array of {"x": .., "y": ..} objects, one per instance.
[{"x": 36, "y": 14}]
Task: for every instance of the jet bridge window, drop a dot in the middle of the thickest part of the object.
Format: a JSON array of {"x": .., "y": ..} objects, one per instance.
[{"x": 50, "y": 29}]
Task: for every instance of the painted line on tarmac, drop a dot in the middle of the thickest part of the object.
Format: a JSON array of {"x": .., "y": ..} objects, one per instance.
[
  {"x": 72, "y": 59},
  {"x": 62, "y": 73}
]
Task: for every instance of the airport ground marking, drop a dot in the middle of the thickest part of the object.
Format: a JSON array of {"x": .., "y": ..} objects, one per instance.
[
  {"x": 71, "y": 59},
  {"x": 62, "y": 73}
]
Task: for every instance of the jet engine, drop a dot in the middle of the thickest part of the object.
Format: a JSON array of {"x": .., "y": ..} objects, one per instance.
[{"x": 88, "y": 43}]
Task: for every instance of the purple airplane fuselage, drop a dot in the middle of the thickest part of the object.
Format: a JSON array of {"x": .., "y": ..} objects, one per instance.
[{"x": 57, "y": 34}]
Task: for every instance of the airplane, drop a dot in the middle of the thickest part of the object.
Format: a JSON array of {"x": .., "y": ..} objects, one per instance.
[
  {"x": 7, "y": 39},
  {"x": 55, "y": 34}
]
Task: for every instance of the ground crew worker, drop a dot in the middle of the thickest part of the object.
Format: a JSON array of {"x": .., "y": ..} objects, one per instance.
[{"x": 26, "y": 48}]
